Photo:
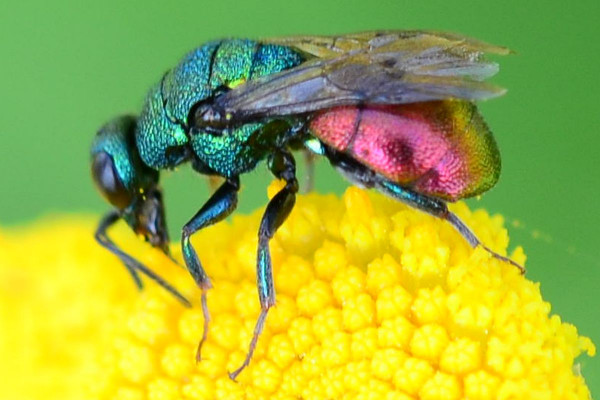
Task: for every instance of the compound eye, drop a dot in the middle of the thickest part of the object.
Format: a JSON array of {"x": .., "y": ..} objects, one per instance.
[{"x": 108, "y": 181}]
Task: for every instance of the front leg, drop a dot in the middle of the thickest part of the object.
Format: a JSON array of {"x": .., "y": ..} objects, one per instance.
[
  {"x": 282, "y": 165},
  {"x": 219, "y": 206},
  {"x": 132, "y": 265}
]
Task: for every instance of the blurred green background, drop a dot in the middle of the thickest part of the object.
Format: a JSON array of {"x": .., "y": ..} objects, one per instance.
[{"x": 68, "y": 66}]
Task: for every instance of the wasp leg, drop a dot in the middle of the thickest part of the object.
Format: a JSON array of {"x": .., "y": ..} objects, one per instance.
[
  {"x": 132, "y": 265},
  {"x": 219, "y": 206},
  {"x": 282, "y": 165},
  {"x": 214, "y": 182},
  {"x": 309, "y": 164},
  {"x": 438, "y": 209},
  {"x": 365, "y": 177}
]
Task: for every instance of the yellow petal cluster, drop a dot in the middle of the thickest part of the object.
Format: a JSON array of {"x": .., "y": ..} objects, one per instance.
[{"x": 374, "y": 301}]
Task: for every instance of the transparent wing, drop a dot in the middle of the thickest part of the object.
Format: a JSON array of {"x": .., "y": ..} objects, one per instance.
[{"x": 390, "y": 67}]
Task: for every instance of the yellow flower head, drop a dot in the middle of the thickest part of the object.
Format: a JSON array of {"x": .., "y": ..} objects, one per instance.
[{"x": 374, "y": 301}]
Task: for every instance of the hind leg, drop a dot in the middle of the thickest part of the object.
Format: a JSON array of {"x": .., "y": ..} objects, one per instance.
[{"x": 363, "y": 176}]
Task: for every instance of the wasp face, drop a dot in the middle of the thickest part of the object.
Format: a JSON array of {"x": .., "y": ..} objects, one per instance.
[
  {"x": 148, "y": 219},
  {"x": 127, "y": 183}
]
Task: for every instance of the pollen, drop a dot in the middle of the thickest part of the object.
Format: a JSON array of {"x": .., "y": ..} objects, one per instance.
[{"x": 374, "y": 300}]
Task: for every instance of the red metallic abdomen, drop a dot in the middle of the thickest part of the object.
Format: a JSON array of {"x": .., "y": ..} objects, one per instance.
[{"x": 442, "y": 149}]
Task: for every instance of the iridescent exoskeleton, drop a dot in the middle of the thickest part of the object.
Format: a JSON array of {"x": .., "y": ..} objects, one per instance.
[{"x": 391, "y": 110}]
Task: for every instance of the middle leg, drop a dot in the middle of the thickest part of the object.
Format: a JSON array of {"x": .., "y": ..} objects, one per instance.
[{"x": 282, "y": 165}]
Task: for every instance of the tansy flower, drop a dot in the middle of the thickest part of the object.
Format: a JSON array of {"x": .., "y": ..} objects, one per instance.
[{"x": 374, "y": 301}]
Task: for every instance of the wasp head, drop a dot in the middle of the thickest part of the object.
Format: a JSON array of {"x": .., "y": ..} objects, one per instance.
[{"x": 127, "y": 183}]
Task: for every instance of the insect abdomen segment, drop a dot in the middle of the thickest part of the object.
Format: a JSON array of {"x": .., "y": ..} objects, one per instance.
[{"x": 442, "y": 149}]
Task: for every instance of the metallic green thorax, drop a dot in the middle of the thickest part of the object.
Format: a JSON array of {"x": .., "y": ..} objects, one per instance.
[{"x": 164, "y": 135}]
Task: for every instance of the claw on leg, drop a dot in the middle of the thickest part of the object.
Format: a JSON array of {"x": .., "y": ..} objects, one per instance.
[
  {"x": 465, "y": 232},
  {"x": 258, "y": 328},
  {"x": 206, "y": 315}
]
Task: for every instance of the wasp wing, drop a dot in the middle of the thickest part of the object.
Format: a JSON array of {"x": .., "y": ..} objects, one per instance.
[
  {"x": 333, "y": 46},
  {"x": 390, "y": 67}
]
